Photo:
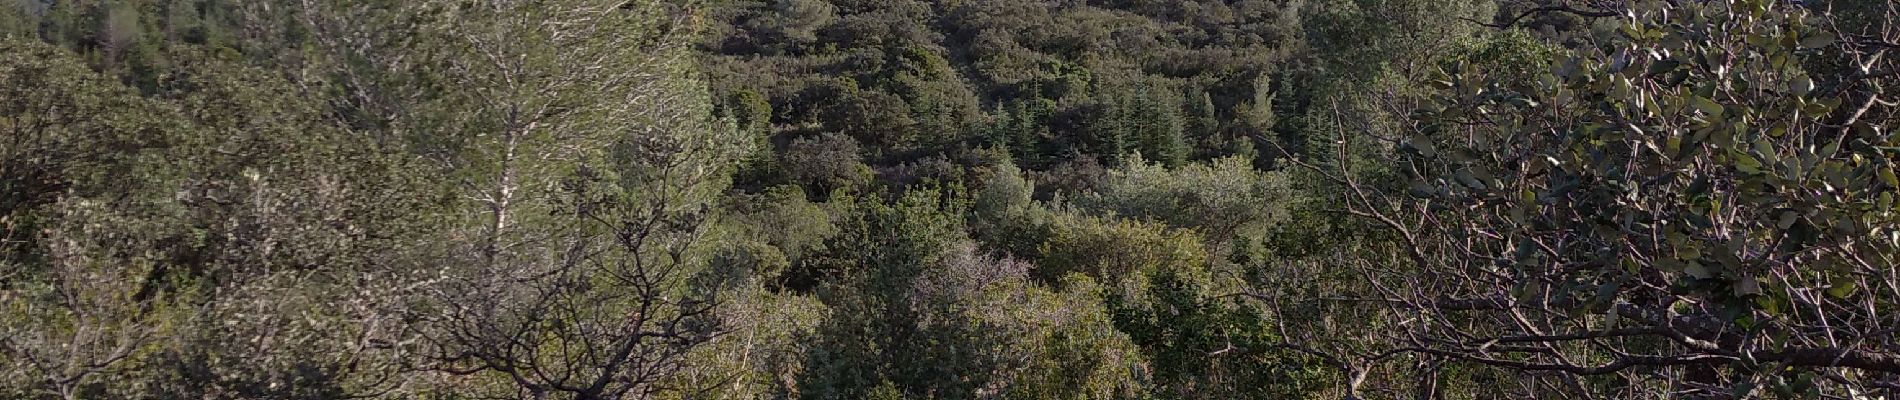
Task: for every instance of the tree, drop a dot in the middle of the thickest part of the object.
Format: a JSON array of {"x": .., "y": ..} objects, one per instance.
[
  {"x": 1158, "y": 129},
  {"x": 1203, "y": 125},
  {"x": 1220, "y": 200},
  {"x": 918, "y": 311},
  {"x": 794, "y": 23},
  {"x": 825, "y": 164},
  {"x": 73, "y": 265},
  {"x": 870, "y": 336},
  {"x": 1690, "y": 203},
  {"x": 879, "y": 119},
  {"x": 1022, "y": 127},
  {"x": 302, "y": 264},
  {"x": 1120, "y": 253},
  {"x": 1102, "y": 127},
  {"x": 74, "y": 318},
  {"x": 1003, "y": 216},
  {"x": 204, "y": 244},
  {"x": 1257, "y": 114},
  {"x": 576, "y": 280}
]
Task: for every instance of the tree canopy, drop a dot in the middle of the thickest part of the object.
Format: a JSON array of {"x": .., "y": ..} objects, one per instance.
[{"x": 948, "y": 199}]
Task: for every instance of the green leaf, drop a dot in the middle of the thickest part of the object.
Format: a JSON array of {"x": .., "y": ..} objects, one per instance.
[
  {"x": 1786, "y": 220},
  {"x": 1663, "y": 66},
  {"x": 1831, "y": 148},
  {"x": 1466, "y": 177},
  {"x": 1423, "y": 145},
  {"x": 1767, "y": 151},
  {"x": 1607, "y": 292},
  {"x": 1746, "y": 163},
  {"x": 1747, "y": 286},
  {"x": 1423, "y": 190},
  {"x": 1695, "y": 269},
  {"x": 1769, "y": 304},
  {"x": 1801, "y": 85},
  {"x": 1842, "y": 287},
  {"x": 1707, "y": 106},
  {"x": 1818, "y": 40}
]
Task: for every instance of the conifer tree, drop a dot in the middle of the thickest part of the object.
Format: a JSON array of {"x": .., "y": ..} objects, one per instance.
[
  {"x": 591, "y": 156},
  {"x": 1156, "y": 120},
  {"x": 1201, "y": 121}
]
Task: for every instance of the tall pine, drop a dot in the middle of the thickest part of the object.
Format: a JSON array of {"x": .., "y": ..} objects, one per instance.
[{"x": 1155, "y": 121}]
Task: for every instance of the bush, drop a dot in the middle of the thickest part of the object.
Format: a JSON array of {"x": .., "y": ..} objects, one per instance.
[
  {"x": 1220, "y": 200},
  {"x": 1117, "y": 252},
  {"x": 825, "y": 163}
]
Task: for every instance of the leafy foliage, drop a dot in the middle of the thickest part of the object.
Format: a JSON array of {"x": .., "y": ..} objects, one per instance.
[{"x": 920, "y": 199}]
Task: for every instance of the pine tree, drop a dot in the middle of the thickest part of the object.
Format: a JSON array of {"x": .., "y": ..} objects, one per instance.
[
  {"x": 1202, "y": 121},
  {"x": 1019, "y": 127},
  {"x": 1157, "y": 125},
  {"x": 1105, "y": 125},
  {"x": 589, "y": 152}
]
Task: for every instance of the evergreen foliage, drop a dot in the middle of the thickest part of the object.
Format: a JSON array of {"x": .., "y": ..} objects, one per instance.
[{"x": 948, "y": 199}]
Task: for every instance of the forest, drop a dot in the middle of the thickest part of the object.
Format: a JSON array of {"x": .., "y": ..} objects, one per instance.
[{"x": 949, "y": 199}]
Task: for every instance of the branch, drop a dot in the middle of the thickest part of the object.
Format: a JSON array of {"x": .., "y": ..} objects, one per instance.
[
  {"x": 1565, "y": 8},
  {"x": 1612, "y": 367}
]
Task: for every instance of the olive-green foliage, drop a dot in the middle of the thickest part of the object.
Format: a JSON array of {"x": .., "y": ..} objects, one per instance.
[
  {"x": 1119, "y": 253},
  {"x": 230, "y": 210},
  {"x": 1084, "y": 357},
  {"x": 791, "y": 24},
  {"x": 1362, "y": 86},
  {"x": 919, "y": 199},
  {"x": 749, "y": 261},
  {"x": 1220, "y": 199},
  {"x": 320, "y": 209},
  {"x": 763, "y": 353},
  {"x": 871, "y": 333},
  {"x": 750, "y": 111},
  {"x": 1004, "y": 216},
  {"x": 1201, "y": 120},
  {"x": 874, "y": 117},
  {"x": 1694, "y": 159},
  {"x": 782, "y": 217},
  {"x": 825, "y": 164},
  {"x": 1021, "y": 126},
  {"x": 1657, "y": 137},
  {"x": 76, "y": 313},
  {"x": 912, "y": 78},
  {"x": 595, "y": 200},
  {"x": 985, "y": 320},
  {"x": 1201, "y": 345},
  {"x": 73, "y": 140},
  {"x": 224, "y": 232},
  {"x": 938, "y": 319}
]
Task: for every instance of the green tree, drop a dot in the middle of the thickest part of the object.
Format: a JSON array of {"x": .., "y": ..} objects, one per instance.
[
  {"x": 1157, "y": 125},
  {"x": 593, "y": 198},
  {"x": 1104, "y": 126},
  {"x": 1120, "y": 253},
  {"x": 235, "y": 220},
  {"x": 825, "y": 164},
  {"x": 1221, "y": 199},
  {"x": 76, "y": 263},
  {"x": 1202, "y": 124},
  {"x": 871, "y": 335},
  {"x": 1679, "y": 204}
]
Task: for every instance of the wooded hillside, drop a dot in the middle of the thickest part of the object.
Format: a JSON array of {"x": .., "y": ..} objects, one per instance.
[{"x": 949, "y": 199}]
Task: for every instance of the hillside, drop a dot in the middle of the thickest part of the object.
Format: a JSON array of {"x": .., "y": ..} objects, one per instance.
[{"x": 948, "y": 199}]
